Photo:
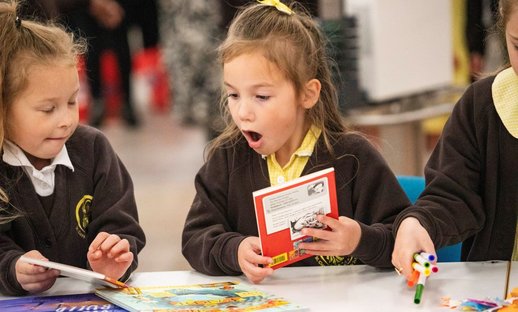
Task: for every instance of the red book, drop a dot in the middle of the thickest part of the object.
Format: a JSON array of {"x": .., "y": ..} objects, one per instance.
[{"x": 283, "y": 210}]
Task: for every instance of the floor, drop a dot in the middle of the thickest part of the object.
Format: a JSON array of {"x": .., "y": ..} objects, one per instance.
[{"x": 162, "y": 157}]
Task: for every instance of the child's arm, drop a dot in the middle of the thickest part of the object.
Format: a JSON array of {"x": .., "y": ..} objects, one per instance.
[
  {"x": 110, "y": 255},
  {"x": 113, "y": 209},
  {"x": 33, "y": 278},
  {"x": 249, "y": 260},
  {"x": 221, "y": 215},
  {"x": 411, "y": 238}
]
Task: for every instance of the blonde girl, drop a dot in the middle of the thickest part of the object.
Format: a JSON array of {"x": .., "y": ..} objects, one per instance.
[{"x": 66, "y": 195}]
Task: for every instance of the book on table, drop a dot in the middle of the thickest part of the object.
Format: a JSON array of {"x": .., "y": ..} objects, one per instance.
[
  {"x": 283, "y": 210},
  {"x": 218, "y": 296},
  {"x": 62, "y": 303},
  {"x": 75, "y": 272}
]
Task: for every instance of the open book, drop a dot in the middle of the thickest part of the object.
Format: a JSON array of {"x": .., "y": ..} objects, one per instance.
[
  {"x": 75, "y": 272},
  {"x": 282, "y": 211},
  {"x": 219, "y": 296}
]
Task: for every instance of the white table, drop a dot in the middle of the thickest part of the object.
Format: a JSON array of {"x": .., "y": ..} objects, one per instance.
[
  {"x": 513, "y": 276},
  {"x": 351, "y": 288}
]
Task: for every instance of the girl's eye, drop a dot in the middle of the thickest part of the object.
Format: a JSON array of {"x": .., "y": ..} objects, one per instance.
[
  {"x": 232, "y": 95},
  {"x": 263, "y": 97},
  {"x": 48, "y": 109}
]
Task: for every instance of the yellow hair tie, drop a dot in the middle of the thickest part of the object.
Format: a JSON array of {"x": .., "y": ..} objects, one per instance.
[{"x": 278, "y": 5}]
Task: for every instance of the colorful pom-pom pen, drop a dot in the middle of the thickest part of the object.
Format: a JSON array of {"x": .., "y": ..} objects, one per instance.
[
  {"x": 428, "y": 256},
  {"x": 421, "y": 260},
  {"x": 419, "y": 288},
  {"x": 418, "y": 267},
  {"x": 413, "y": 279}
]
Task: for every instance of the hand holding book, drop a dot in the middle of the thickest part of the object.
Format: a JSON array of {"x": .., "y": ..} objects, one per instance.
[
  {"x": 341, "y": 237},
  {"x": 32, "y": 278},
  {"x": 252, "y": 263},
  {"x": 72, "y": 271}
]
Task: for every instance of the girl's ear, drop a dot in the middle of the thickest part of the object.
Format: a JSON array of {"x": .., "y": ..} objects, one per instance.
[{"x": 311, "y": 93}]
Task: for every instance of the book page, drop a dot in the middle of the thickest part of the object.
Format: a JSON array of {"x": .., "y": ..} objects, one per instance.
[
  {"x": 75, "y": 272},
  {"x": 297, "y": 208}
]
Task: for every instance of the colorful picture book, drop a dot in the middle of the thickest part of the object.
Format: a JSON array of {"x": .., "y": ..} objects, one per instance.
[
  {"x": 222, "y": 296},
  {"x": 75, "y": 272},
  {"x": 282, "y": 211},
  {"x": 65, "y": 303}
]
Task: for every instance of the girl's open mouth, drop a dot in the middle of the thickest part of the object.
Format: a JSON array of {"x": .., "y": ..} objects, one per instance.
[{"x": 253, "y": 138}]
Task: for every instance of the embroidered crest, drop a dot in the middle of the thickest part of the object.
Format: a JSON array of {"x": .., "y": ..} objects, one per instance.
[
  {"x": 83, "y": 214},
  {"x": 335, "y": 260}
]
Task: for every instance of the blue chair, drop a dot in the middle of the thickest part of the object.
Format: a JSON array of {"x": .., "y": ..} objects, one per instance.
[{"x": 413, "y": 187}]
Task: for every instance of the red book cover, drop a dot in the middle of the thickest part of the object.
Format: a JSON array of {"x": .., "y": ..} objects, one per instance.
[{"x": 282, "y": 211}]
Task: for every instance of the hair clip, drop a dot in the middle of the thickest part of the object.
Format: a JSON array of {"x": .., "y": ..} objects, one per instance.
[
  {"x": 18, "y": 22},
  {"x": 278, "y": 5}
]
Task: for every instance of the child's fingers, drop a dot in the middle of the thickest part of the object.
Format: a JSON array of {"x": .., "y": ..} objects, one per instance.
[
  {"x": 98, "y": 240},
  {"x": 37, "y": 287},
  {"x": 120, "y": 247},
  {"x": 254, "y": 258},
  {"x": 38, "y": 278},
  {"x": 29, "y": 269},
  {"x": 124, "y": 257},
  {"x": 331, "y": 222},
  {"x": 319, "y": 247},
  {"x": 318, "y": 233},
  {"x": 107, "y": 243},
  {"x": 406, "y": 263},
  {"x": 256, "y": 274}
]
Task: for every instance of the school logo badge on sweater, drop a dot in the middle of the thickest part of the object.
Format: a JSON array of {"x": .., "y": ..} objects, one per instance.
[
  {"x": 336, "y": 260},
  {"x": 83, "y": 214}
]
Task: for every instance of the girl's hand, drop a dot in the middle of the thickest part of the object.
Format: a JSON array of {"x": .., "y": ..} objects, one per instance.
[
  {"x": 33, "y": 278},
  {"x": 411, "y": 238},
  {"x": 342, "y": 239},
  {"x": 110, "y": 255},
  {"x": 249, "y": 258}
]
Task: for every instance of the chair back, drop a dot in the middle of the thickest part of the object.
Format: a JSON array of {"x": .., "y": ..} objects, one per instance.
[{"x": 413, "y": 187}]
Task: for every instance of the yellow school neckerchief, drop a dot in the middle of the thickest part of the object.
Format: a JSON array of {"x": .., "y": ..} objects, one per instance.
[
  {"x": 297, "y": 162},
  {"x": 505, "y": 97}
]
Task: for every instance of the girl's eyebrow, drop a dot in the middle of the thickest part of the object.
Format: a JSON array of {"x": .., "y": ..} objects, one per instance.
[
  {"x": 259, "y": 85},
  {"x": 50, "y": 99}
]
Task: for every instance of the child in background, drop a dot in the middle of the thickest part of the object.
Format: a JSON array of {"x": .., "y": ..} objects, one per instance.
[
  {"x": 66, "y": 195},
  {"x": 285, "y": 123},
  {"x": 471, "y": 176}
]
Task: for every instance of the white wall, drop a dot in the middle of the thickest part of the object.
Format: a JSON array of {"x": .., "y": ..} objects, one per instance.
[{"x": 405, "y": 46}]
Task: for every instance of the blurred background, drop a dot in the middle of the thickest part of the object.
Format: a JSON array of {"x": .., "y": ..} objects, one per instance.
[{"x": 151, "y": 83}]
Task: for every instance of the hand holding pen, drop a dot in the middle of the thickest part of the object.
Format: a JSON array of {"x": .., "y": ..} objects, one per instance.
[{"x": 424, "y": 264}]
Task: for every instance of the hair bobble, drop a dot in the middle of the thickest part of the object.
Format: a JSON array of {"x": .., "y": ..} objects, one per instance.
[
  {"x": 278, "y": 5},
  {"x": 18, "y": 22}
]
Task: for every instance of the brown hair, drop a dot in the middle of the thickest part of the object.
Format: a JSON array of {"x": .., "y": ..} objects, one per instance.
[
  {"x": 505, "y": 8},
  {"x": 24, "y": 44},
  {"x": 296, "y": 45}
]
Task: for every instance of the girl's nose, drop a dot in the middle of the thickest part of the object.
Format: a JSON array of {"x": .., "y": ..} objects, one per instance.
[{"x": 245, "y": 110}]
